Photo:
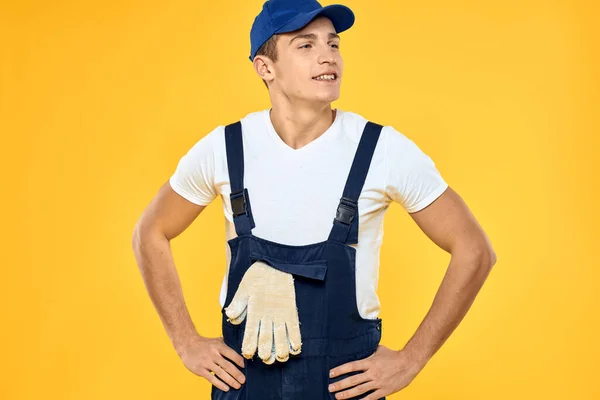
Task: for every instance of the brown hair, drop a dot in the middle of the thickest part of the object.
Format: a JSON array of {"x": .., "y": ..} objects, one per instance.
[{"x": 269, "y": 49}]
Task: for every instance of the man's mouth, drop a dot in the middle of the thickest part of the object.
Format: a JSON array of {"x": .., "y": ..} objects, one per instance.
[{"x": 327, "y": 78}]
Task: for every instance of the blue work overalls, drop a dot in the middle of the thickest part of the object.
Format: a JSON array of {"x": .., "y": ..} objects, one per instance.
[{"x": 333, "y": 332}]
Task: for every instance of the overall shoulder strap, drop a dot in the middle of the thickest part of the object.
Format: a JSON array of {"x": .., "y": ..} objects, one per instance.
[
  {"x": 240, "y": 200},
  {"x": 345, "y": 223}
]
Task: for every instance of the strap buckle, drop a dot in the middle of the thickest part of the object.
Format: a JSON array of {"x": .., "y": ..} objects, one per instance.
[
  {"x": 239, "y": 206},
  {"x": 346, "y": 211}
]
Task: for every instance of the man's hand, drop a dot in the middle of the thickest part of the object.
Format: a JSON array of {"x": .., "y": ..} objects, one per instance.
[
  {"x": 205, "y": 356},
  {"x": 386, "y": 371}
]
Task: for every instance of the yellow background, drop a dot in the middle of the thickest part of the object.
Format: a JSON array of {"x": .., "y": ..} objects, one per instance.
[{"x": 100, "y": 99}]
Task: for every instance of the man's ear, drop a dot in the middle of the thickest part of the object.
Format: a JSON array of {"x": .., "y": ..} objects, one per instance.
[{"x": 264, "y": 68}]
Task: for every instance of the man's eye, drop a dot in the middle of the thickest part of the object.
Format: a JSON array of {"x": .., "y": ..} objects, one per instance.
[{"x": 337, "y": 46}]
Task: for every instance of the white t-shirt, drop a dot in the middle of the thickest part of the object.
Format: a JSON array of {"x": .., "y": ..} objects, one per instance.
[{"x": 294, "y": 193}]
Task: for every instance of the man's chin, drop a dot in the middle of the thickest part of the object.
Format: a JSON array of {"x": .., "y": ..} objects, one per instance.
[
  {"x": 330, "y": 99},
  {"x": 322, "y": 98},
  {"x": 327, "y": 97}
]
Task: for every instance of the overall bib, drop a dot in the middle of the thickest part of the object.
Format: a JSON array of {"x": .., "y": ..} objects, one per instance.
[{"x": 333, "y": 332}]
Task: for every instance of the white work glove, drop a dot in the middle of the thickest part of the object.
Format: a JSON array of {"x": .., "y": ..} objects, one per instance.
[{"x": 267, "y": 297}]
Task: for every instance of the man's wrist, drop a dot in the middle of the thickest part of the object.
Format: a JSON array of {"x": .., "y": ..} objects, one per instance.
[
  {"x": 418, "y": 357},
  {"x": 182, "y": 340}
]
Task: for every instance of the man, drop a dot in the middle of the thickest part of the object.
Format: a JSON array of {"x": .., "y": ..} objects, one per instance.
[{"x": 283, "y": 174}]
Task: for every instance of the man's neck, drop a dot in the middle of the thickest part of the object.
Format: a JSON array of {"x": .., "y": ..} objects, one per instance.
[{"x": 298, "y": 126}]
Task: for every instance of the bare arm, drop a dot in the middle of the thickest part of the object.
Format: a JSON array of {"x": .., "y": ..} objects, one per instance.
[
  {"x": 165, "y": 218},
  {"x": 167, "y": 215},
  {"x": 449, "y": 223}
]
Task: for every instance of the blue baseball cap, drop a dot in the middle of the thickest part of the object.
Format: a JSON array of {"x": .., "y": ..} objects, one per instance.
[{"x": 281, "y": 16}]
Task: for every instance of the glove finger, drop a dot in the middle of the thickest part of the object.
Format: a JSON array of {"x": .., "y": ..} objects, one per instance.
[
  {"x": 236, "y": 311},
  {"x": 265, "y": 339},
  {"x": 294, "y": 337},
  {"x": 250, "y": 342},
  {"x": 271, "y": 359},
  {"x": 282, "y": 347},
  {"x": 239, "y": 319}
]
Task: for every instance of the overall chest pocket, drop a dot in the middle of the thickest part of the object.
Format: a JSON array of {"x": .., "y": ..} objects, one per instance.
[
  {"x": 310, "y": 292},
  {"x": 316, "y": 269}
]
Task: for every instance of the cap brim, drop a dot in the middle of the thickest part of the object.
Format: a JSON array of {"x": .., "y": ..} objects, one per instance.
[{"x": 341, "y": 16}]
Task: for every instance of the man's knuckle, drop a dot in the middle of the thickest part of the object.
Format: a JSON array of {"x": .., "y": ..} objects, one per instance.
[
  {"x": 225, "y": 381},
  {"x": 204, "y": 374},
  {"x": 226, "y": 365},
  {"x": 232, "y": 381},
  {"x": 220, "y": 372}
]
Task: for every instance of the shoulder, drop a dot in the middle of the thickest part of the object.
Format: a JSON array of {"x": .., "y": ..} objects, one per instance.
[
  {"x": 216, "y": 137},
  {"x": 400, "y": 145},
  {"x": 352, "y": 124},
  {"x": 390, "y": 139},
  {"x": 256, "y": 120},
  {"x": 208, "y": 143}
]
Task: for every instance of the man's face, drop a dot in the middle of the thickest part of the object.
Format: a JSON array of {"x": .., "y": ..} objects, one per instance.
[{"x": 305, "y": 55}]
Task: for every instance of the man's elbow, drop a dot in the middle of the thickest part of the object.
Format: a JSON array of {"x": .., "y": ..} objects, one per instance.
[
  {"x": 493, "y": 257},
  {"x": 479, "y": 254},
  {"x": 485, "y": 255},
  {"x": 144, "y": 232},
  {"x": 137, "y": 235}
]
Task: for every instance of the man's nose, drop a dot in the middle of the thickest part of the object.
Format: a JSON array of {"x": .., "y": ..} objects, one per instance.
[{"x": 326, "y": 54}]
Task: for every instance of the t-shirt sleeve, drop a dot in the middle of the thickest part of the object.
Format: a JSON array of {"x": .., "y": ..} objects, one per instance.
[
  {"x": 412, "y": 179},
  {"x": 194, "y": 177}
]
